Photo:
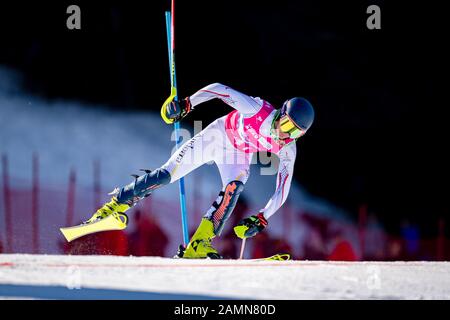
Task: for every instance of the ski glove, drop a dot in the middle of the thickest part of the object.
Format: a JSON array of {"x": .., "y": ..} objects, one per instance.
[
  {"x": 177, "y": 110},
  {"x": 250, "y": 226}
]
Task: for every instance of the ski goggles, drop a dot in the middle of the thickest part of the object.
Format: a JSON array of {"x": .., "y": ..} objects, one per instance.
[{"x": 288, "y": 126}]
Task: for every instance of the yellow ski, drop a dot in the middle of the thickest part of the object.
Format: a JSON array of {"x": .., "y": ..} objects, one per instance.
[
  {"x": 115, "y": 221},
  {"x": 276, "y": 257}
]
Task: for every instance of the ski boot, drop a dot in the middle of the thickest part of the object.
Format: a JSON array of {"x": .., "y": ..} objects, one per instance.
[
  {"x": 109, "y": 208},
  {"x": 200, "y": 246}
]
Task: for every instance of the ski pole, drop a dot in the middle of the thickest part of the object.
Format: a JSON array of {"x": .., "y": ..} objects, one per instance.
[
  {"x": 241, "y": 255},
  {"x": 170, "y": 29}
]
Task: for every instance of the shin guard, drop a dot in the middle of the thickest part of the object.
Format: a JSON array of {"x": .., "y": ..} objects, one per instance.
[
  {"x": 143, "y": 186},
  {"x": 221, "y": 209}
]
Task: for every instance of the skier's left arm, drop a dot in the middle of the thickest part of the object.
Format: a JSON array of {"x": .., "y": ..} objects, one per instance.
[{"x": 256, "y": 223}]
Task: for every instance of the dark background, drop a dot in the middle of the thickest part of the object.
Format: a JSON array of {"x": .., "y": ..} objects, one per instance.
[{"x": 380, "y": 131}]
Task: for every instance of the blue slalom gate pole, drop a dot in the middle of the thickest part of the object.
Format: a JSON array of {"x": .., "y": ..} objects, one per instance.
[{"x": 170, "y": 26}]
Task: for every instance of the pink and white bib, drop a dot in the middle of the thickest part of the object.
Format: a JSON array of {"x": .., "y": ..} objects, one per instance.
[{"x": 246, "y": 134}]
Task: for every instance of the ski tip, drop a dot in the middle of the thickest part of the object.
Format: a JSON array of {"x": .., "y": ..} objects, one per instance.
[
  {"x": 280, "y": 257},
  {"x": 63, "y": 231}
]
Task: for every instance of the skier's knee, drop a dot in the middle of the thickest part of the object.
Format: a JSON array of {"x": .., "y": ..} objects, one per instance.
[
  {"x": 222, "y": 208},
  {"x": 243, "y": 176},
  {"x": 143, "y": 186}
]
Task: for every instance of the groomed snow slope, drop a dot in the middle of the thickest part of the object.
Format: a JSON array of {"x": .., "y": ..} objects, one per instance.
[{"x": 110, "y": 277}]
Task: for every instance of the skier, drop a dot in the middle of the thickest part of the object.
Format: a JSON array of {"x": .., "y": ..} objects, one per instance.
[{"x": 255, "y": 125}]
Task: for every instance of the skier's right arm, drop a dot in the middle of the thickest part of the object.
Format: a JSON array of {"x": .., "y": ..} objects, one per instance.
[{"x": 243, "y": 103}]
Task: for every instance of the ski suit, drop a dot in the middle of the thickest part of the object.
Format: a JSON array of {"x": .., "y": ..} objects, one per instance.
[{"x": 230, "y": 142}]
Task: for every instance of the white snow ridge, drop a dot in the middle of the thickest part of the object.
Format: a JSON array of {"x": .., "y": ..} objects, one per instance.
[{"x": 112, "y": 277}]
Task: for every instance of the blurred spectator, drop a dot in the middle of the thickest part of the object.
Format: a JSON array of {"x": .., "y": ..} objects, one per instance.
[
  {"x": 148, "y": 238},
  {"x": 112, "y": 243},
  {"x": 411, "y": 236},
  {"x": 261, "y": 246},
  {"x": 265, "y": 246},
  {"x": 342, "y": 250},
  {"x": 375, "y": 240},
  {"x": 314, "y": 246},
  {"x": 319, "y": 224},
  {"x": 1, "y": 247},
  {"x": 395, "y": 249}
]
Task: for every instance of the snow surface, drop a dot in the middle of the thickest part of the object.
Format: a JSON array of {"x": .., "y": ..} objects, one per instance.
[{"x": 111, "y": 277}]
